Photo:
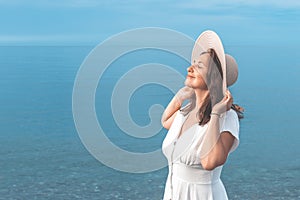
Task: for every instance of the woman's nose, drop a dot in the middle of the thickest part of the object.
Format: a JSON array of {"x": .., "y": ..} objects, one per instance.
[{"x": 190, "y": 69}]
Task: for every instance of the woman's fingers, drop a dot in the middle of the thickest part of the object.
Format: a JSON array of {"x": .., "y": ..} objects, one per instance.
[
  {"x": 224, "y": 104},
  {"x": 229, "y": 99},
  {"x": 185, "y": 93},
  {"x": 227, "y": 96}
]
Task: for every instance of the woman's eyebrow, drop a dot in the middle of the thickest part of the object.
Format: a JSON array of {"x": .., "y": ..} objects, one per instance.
[{"x": 198, "y": 61}]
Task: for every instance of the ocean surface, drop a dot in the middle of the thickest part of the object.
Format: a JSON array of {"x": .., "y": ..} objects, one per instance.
[{"x": 42, "y": 156}]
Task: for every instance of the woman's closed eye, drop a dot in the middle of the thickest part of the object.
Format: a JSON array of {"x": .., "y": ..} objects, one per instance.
[{"x": 199, "y": 65}]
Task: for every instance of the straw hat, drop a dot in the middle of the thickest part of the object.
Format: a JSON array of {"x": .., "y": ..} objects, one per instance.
[{"x": 210, "y": 40}]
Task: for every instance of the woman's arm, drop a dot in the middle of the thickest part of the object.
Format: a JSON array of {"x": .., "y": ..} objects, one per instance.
[
  {"x": 216, "y": 145},
  {"x": 174, "y": 105},
  {"x": 169, "y": 113},
  {"x": 218, "y": 154}
]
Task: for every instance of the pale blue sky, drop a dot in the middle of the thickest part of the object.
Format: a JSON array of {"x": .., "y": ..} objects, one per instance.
[{"x": 90, "y": 22}]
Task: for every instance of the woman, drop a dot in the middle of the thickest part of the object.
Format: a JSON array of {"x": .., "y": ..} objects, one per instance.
[{"x": 205, "y": 131}]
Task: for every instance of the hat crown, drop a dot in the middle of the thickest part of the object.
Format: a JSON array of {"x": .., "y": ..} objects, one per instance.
[{"x": 231, "y": 70}]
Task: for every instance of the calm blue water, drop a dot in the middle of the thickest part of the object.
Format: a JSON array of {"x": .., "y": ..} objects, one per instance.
[{"x": 42, "y": 157}]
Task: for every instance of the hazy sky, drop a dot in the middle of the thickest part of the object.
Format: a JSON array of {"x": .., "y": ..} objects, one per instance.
[{"x": 90, "y": 22}]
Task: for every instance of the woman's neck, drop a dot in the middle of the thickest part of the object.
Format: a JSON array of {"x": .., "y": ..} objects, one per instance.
[{"x": 201, "y": 96}]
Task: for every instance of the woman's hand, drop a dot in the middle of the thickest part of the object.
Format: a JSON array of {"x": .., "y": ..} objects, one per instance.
[
  {"x": 224, "y": 104},
  {"x": 175, "y": 104},
  {"x": 184, "y": 94}
]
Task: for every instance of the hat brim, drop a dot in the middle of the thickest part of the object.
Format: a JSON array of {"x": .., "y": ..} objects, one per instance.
[{"x": 210, "y": 40}]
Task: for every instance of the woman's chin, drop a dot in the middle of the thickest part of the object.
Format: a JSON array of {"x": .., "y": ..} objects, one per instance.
[{"x": 187, "y": 83}]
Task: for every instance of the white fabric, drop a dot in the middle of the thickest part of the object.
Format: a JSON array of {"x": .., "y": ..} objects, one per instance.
[
  {"x": 187, "y": 180},
  {"x": 231, "y": 125}
]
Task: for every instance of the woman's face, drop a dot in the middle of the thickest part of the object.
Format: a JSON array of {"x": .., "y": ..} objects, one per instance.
[{"x": 196, "y": 76}]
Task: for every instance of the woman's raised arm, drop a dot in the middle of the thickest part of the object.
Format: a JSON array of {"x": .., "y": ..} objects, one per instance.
[{"x": 174, "y": 105}]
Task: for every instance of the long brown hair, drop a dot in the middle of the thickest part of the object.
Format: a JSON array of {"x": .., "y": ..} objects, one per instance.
[{"x": 214, "y": 80}]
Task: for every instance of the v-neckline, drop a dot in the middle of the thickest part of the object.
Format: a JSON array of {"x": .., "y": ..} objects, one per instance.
[{"x": 180, "y": 135}]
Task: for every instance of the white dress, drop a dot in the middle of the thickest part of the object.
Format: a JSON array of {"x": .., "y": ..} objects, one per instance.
[{"x": 187, "y": 180}]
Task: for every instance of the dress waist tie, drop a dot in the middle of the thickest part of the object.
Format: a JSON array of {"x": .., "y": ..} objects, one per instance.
[{"x": 194, "y": 174}]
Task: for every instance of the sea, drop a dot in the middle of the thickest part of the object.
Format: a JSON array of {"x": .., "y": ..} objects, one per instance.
[{"x": 43, "y": 155}]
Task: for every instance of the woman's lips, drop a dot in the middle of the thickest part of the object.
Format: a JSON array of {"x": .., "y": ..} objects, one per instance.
[{"x": 189, "y": 76}]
